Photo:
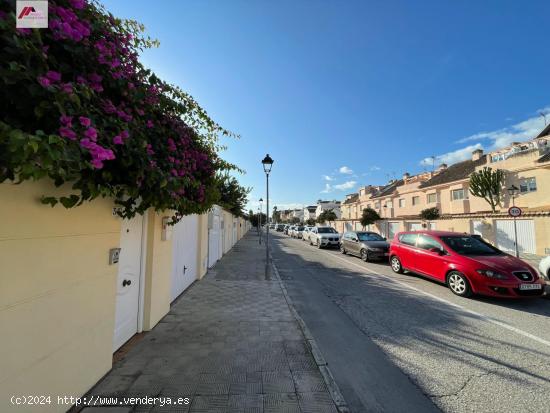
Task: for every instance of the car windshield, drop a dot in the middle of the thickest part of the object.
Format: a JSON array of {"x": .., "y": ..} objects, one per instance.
[
  {"x": 326, "y": 230},
  {"x": 369, "y": 236},
  {"x": 467, "y": 245}
]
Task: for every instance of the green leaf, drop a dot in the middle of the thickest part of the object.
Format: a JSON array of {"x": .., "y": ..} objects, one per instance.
[{"x": 69, "y": 202}]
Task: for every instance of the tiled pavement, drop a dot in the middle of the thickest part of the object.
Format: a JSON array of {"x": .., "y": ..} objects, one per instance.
[{"x": 230, "y": 344}]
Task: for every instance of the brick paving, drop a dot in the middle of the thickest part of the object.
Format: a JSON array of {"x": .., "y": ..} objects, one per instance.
[{"x": 229, "y": 344}]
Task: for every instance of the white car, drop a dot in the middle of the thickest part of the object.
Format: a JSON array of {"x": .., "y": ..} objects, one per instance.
[
  {"x": 298, "y": 231},
  {"x": 544, "y": 268},
  {"x": 306, "y": 232},
  {"x": 324, "y": 237}
]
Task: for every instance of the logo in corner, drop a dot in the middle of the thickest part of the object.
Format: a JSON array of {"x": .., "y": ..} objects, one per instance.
[{"x": 32, "y": 14}]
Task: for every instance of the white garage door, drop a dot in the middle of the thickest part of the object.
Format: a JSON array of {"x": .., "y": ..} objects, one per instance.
[
  {"x": 128, "y": 279},
  {"x": 477, "y": 228},
  {"x": 215, "y": 237},
  {"x": 415, "y": 226},
  {"x": 526, "y": 235},
  {"x": 184, "y": 256},
  {"x": 393, "y": 229}
]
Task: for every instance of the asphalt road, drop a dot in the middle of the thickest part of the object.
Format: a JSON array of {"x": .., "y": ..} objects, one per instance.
[{"x": 402, "y": 343}]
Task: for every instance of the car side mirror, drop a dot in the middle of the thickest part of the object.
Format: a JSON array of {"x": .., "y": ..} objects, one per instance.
[
  {"x": 437, "y": 250},
  {"x": 355, "y": 239},
  {"x": 385, "y": 239}
]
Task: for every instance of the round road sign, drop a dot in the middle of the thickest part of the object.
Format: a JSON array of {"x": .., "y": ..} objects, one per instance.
[{"x": 514, "y": 211}]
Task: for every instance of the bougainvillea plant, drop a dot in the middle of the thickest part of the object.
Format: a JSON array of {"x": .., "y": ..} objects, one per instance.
[{"x": 76, "y": 106}]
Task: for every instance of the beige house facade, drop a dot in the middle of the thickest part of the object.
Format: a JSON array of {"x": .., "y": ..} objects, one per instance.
[
  {"x": 66, "y": 306},
  {"x": 526, "y": 165}
]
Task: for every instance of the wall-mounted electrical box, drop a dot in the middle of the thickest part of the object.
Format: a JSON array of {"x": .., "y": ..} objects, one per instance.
[{"x": 114, "y": 255}]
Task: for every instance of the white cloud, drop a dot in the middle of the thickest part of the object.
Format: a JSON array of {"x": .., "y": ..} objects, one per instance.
[
  {"x": 495, "y": 140},
  {"x": 375, "y": 168},
  {"x": 328, "y": 188},
  {"x": 345, "y": 185},
  {"x": 328, "y": 178},
  {"x": 345, "y": 170},
  {"x": 518, "y": 132},
  {"x": 452, "y": 157},
  {"x": 289, "y": 205}
]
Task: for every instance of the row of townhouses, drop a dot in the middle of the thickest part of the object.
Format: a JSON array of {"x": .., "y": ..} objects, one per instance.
[
  {"x": 311, "y": 211},
  {"x": 526, "y": 165}
]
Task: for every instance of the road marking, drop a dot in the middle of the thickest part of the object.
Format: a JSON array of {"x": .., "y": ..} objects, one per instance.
[{"x": 450, "y": 303}]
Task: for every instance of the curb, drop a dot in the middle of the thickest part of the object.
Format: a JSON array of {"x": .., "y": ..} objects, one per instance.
[{"x": 333, "y": 388}]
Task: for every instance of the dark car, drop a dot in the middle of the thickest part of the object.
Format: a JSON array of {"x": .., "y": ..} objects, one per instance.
[
  {"x": 279, "y": 227},
  {"x": 367, "y": 245},
  {"x": 466, "y": 264}
]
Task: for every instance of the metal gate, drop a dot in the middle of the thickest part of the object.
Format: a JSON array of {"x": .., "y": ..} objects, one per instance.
[{"x": 526, "y": 235}]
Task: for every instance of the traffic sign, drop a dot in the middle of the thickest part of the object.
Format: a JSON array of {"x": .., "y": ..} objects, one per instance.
[{"x": 514, "y": 211}]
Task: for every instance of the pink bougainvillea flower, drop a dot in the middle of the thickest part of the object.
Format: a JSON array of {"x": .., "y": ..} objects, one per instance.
[
  {"x": 44, "y": 81},
  {"x": 81, "y": 80},
  {"x": 66, "y": 120},
  {"x": 91, "y": 133},
  {"x": 77, "y": 4},
  {"x": 124, "y": 134},
  {"x": 67, "y": 88},
  {"x": 84, "y": 121},
  {"x": 53, "y": 76},
  {"x": 149, "y": 149},
  {"x": 67, "y": 133},
  {"x": 97, "y": 164},
  {"x": 117, "y": 140},
  {"x": 24, "y": 32},
  {"x": 150, "y": 124}
]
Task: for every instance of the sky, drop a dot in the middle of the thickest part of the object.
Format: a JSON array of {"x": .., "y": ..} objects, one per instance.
[{"x": 343, "y": 94}]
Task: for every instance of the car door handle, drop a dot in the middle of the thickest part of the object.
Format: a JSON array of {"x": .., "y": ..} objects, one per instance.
[{"x": 126, "y": 282}]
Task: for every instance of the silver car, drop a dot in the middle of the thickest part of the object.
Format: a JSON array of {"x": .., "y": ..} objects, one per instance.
[{"x": 323, "y": 237}]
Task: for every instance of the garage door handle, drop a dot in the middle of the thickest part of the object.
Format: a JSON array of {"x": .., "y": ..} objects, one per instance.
[
  {"x": 184, "y": 269},
  {"x": 126, "y": 282}
]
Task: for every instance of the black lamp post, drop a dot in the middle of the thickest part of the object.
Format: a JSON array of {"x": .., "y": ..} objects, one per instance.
[
  {"x": 513, "y": 192},
  {"x": 260, "y": 220},
  {"x": 267, "y": 163}
]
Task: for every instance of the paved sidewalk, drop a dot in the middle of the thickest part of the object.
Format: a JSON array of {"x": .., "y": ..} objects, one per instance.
[{"x": 230, "y": 344}]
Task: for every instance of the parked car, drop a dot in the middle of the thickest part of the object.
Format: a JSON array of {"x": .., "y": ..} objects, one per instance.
[
  {"x": 297, "y": 231},
  {"x": 290, "y": 230},
  {"x": 466, "y": 264},
  {"x": 279, "y": 227},
  {"x": 324, "y": 237},
  {"x": 367, "y": 245},
  {"x": 286, "y": 228},
  {"x": 305, "y": 233},
  {"x": 544, "y": 267}
]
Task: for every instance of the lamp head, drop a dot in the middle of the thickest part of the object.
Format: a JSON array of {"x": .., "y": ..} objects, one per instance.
[
  {"x": 267, "y": 162},
  {"x": 513, "y": 190}
]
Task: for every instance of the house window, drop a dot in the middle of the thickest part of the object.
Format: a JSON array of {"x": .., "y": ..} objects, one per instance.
[
  {"x": 527, "y": 185},
  {"x": 402, "y": 203},
  {"x": 458, "y": 194},
  {"x": 416, "y": 200},
  {"x": 389, "y": 204},
  {"x": 432, "y": 198},
  {"x": 377, "y": 205}
]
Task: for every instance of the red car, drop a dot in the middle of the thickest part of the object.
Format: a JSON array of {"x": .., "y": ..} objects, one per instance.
[{"x": 465, "y": 263}]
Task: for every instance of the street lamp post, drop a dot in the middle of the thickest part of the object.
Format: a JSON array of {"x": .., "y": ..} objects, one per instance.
[
  {"x": 513, "y": 191},
  {"x": 260, "y": 220},
  {"x": 267, "y": 163}
]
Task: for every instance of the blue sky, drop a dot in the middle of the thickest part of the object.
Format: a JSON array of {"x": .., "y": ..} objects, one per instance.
[{"x": 348, "y": 93}]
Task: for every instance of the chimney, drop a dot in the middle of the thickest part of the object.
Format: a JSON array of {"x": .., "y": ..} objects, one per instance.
[
  {"x": 477, "y": 154},
  {"x": 406, "y": 175}
]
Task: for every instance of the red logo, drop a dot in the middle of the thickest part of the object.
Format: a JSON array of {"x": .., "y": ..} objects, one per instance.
[{"x": 26, "y": 11}]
